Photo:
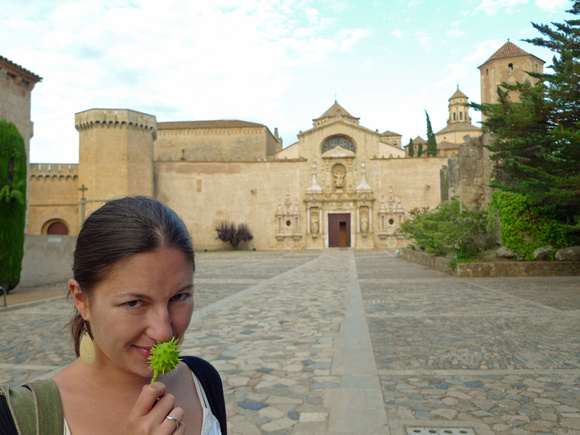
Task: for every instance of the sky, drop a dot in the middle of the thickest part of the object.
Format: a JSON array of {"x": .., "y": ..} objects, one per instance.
[{"x": 281, "y": 63}]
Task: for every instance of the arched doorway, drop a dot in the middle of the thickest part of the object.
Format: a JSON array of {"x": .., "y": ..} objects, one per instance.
[{"x": 55, "y": 227}]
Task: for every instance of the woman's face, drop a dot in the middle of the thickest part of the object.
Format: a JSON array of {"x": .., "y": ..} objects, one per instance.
[{"x": 145, "y": 299}]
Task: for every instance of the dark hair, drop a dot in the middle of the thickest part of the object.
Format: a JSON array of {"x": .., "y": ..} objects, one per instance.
[{"x": 116, "y": 231}]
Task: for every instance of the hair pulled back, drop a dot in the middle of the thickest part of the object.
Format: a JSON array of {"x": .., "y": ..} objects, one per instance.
[{"x": 116, "y": 231}]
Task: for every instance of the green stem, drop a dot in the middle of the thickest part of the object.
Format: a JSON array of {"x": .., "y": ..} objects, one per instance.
[{"x": 155, "y": 374}]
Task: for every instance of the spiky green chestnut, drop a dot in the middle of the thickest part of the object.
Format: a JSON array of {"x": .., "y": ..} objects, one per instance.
[{"x": 164, "y": 358}]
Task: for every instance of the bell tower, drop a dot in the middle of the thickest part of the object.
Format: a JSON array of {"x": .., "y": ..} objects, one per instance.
[
  {"x": 458, "y": 110},
  {"x": 509, "y": 64}
]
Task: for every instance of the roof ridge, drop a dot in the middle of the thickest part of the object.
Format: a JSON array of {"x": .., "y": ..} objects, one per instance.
[{"x": 509, "y": 49}]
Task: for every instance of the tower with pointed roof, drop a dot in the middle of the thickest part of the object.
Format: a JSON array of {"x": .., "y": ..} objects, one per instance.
[
  {"x": 458, "y": 127},
  {"x": 509, "y": 64}
]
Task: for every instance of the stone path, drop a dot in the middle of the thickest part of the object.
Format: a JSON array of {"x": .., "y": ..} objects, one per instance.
[{"x": 360, "y": 342}]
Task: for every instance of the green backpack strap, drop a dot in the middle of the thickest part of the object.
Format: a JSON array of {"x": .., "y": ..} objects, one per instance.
[{"x": 36, "y": 408}]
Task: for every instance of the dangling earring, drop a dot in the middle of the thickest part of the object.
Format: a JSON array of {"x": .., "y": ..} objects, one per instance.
[{"x": 87, "y": 349}]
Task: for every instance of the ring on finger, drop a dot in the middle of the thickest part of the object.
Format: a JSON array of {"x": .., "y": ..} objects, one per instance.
[{"x": 173, "y": 419}]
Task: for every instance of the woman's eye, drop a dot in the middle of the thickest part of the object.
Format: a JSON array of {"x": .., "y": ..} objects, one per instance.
[
  {"x": 181, "y": 297},
  {"x": 133, "y": 304}
]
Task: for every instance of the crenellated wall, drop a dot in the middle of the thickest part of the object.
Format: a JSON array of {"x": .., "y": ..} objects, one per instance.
[{"x": 54, "y": 196}]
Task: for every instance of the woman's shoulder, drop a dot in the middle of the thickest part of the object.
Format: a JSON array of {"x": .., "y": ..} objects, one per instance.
[{"x": 200, "y": 367}]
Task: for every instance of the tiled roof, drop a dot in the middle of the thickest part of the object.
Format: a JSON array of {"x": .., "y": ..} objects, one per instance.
[
  {"x": 458, "y": 94},
  {"x": 389, "y": 133},
  {"x": 222, "y": 123},
  {"x": 445, "y": 145},
  {"x": 29, "y": 74},
  {"x": 459, "y": 126},
  {"x": 335, "y": 110},
  {"x": 419, "y": 139},
  {"x": 509, "y": 49}
]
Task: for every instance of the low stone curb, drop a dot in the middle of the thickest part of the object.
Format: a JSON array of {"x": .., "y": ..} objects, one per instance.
[{"x": 493, "y": 269}]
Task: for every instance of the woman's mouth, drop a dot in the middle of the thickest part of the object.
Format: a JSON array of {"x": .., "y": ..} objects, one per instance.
[{"x": 143, "y": 351}]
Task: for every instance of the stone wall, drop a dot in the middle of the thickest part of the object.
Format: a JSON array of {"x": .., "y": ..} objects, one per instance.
[
  {"x": 47, "y": 260},
  {"x": 518, "y": 268},
  {"x": 187, "y": 141},
  {"x": 54, "y": 195},
  {"x": 493, "y": 269},
  {"x": 439, "y": 264}
]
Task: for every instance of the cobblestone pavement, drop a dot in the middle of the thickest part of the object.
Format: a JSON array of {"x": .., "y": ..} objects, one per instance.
[{"x": 353, "y": 342}]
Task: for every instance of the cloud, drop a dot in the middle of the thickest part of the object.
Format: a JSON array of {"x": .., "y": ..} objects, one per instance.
[
  {"x": 483, "y": 51},
  {"x": 454, "y": 33},
  {"x": 398, "y": 33},
  {"x": 350, "y": 37},
  {"x": 552, "y": 5},
  {"x": 424, "y": 39},
  {"x": 454, "y": 72},
  {"x": 492, "y": 7}
]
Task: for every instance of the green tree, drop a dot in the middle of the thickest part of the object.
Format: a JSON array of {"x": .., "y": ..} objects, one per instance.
[
  {"x": 431, "y": 142},
  {"x": 537, "y": 145},
  {"x": 420, "y": 149},
  {"x": 411, "y": 148},
  {"x": 12, "y": 204}
]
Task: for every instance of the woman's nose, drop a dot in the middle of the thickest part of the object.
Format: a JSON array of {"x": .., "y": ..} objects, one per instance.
[{"x": 160, "y": 327}]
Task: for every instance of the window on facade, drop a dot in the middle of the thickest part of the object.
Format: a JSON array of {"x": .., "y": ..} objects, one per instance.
[
  {"x": 454, "y": 116},
  {"x": 511, "y": 67},
  {"x": 341, "y": 141},
  {"x": 460, "y": 115}
]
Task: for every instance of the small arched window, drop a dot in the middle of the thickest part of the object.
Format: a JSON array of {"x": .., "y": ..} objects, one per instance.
[
  {"x": 461, "y": 115},
  {"x": 454, "y": 116},
  {"x": 511, "y": 67}
]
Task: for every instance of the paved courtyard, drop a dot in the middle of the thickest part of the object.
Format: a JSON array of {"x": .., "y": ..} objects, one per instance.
[{"x": 359, "y": 342}]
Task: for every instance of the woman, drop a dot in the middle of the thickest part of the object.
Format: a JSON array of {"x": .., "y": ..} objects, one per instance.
[{"x": 132, "y": 288}]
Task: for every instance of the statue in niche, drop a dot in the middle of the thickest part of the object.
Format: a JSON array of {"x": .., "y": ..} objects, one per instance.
[
  {"x": 338, "y": 172},
  {"x": 314, "y": 225},
  {"x": 364, "y": 223}
]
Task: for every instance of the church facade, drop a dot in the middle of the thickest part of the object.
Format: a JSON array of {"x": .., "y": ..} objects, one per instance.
[{"x": 340, "y": 185}]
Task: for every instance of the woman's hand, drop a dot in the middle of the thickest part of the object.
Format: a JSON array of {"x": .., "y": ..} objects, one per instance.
[{"x": 149, "y": 415}]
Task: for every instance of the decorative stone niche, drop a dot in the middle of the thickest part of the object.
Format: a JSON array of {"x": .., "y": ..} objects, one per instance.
[
  {"x": 364, "y": 221},
  {"x": 288, "y": 220},
  {"x": 314, "y": 214},
  {"x": 391, "y": 215}
]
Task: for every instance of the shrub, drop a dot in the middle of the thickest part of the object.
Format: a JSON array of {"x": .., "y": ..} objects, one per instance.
[
  {"x": 448, "y": 230},
  {"x": 524, "y": 228},
  {"x": 229, "y": 232},
  {"x": 12, "y": 204}
]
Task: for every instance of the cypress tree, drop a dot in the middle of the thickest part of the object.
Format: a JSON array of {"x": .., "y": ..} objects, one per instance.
[
  {"x": 411, "y": 148},
  {"x": 12, "y": 204},
  {"x": 420, "y": 149},
  {"x": 431, "y": 142},
  {"x": 537, "y": 146}
]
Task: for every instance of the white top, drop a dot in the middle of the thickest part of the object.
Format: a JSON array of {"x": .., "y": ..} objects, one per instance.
[{"x": 209, "y": 424}]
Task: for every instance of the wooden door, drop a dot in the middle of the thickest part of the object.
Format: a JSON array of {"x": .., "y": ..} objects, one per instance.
[{"x": 339, "y": 230}]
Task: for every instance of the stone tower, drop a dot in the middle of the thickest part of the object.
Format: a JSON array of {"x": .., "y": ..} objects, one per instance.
[
  {"x": 115, "y": 154},
  {"x": 458, "y": 110},
  {"x": 509, "y": 64}
]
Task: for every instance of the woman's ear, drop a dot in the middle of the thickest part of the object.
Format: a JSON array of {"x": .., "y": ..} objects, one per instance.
[{"x": 80, "y": 299}]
